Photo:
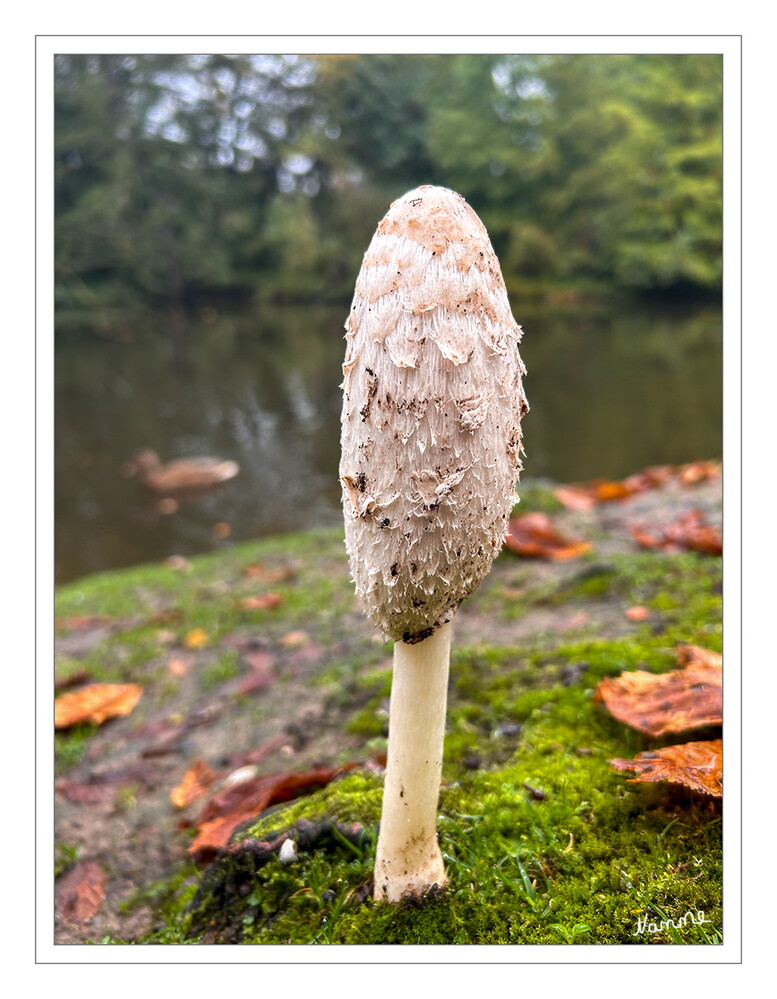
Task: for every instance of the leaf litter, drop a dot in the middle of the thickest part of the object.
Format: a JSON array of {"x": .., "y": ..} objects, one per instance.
[{"x": 684, "y": 699}]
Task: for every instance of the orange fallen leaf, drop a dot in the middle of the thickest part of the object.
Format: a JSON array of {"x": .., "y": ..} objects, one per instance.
[
  {"x": 196, "y": 639},
  {"x": 691, "y": 531},
  {"x": 584, "y": 495},
  {"x": 684, "y": 699},
  {"x": 283, "y": 574},
  {"x": 263, "y": 601},
  {"x": 95, "y": 703},
  {"x": 222, "y": 530},
  {"x": 637, "y": 613},
  {"x": 294, "y": 638},
  {"x": 688, "y": 531},
  {"x": 575, "y": 497},
  {"x": 695, "y": 655},
  {"x": 196, "y": 781},
  {"x": 698, "y": 765},
  {"x": 532, "y": 535},
  {"x": 80, "y": 892},
  {"x": 607, "y": 490},
  {"x": 652, "y": 477},
  {"x": 238, "y": 803},
  {"x": 699, "y": 471}
]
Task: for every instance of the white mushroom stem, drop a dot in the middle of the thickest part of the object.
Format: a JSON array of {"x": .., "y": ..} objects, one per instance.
[{"x": 408, "y": 860}]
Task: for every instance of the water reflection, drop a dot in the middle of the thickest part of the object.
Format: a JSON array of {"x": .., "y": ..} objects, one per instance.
[{"x": 610, "y": 392}]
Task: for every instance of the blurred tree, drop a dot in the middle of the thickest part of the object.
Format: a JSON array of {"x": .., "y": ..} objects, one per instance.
[
  {"x": 620, "y": 164},
  {"x": 165, "y": 168},
  {"x": 185, "y": 176}
]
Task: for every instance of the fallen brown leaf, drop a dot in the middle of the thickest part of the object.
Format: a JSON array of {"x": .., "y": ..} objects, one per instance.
[
  {"x": 583, "y": 496},
  {"x": 85, "y": 793},
  {"x": 95, "y": 703},
  {"x": 283, "y": 574},
  {"x": 695, "y": 655},
  {"x": 575, "y": 497},
  {"x": 264, "y": 601},
  {"x": 532, "y": 535},
  {"x": 698, "y": 765},
  {"x": 688, "y": 531},
  {"x": 80, "y": 892},
  {"x": 261, "y": 675},
  {"x": 196, "y": 781},
  {"x": 259, "y": 659},
  {"x": 292, "y": 639},
  {"x": 684, "y": 699},
  {"x": 699, "y": 471},
  {"x": 235, "y": 805}
]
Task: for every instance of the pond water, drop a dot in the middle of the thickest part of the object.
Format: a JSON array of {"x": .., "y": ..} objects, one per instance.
[{"x": 611, "y": 391}]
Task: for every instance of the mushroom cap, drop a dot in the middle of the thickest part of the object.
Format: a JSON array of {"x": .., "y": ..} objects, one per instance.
[{"x": 431, "y": 419}]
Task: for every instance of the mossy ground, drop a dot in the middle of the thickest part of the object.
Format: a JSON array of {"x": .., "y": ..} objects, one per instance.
[{"x": 544, "y": 843}]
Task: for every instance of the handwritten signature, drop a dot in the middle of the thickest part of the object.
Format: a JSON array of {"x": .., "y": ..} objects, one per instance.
[{"x": 696, "y": 918}]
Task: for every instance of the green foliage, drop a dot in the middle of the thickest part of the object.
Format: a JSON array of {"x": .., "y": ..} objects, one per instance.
[{"x": 180, "y": 177}]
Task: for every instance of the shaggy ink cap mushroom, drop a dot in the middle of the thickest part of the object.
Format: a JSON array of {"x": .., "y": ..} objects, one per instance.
[
  {"x": 431, "y": 441},
  {"x": 432, "y": 404}
]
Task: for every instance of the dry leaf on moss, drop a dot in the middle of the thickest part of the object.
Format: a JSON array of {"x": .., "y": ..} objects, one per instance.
[
  {"x": 282, "y": 574},
  {"x": 533, "y": 535},
  {"x": 689, "y": 531},
  {"x": 687, "y": 698},
  {"x": 293, "y": 639},
  {"x": 695, "y": 655},
  {"x": 698, "y": 765},
  {"x": 262, "y": 601},
  {"x": 95, "y": 703},
  {"x": 236, "y": 804}
]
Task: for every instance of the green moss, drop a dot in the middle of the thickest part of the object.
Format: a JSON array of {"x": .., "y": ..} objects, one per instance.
[
  {"x": 221, "y": 671},
  {"x": 543, "y": 841},
  {"x": 70, "y": 746},
  {"x": 582, "y": 864},
  {"x": 65, "y": 855},
  {"x": 536, "y": 497}
]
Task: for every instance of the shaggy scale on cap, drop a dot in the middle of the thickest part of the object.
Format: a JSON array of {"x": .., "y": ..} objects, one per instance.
[{"x": 431, "y": 420}]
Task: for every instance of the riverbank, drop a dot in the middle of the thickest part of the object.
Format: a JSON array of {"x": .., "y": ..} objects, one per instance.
[{"x": 258, "y": 657}]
